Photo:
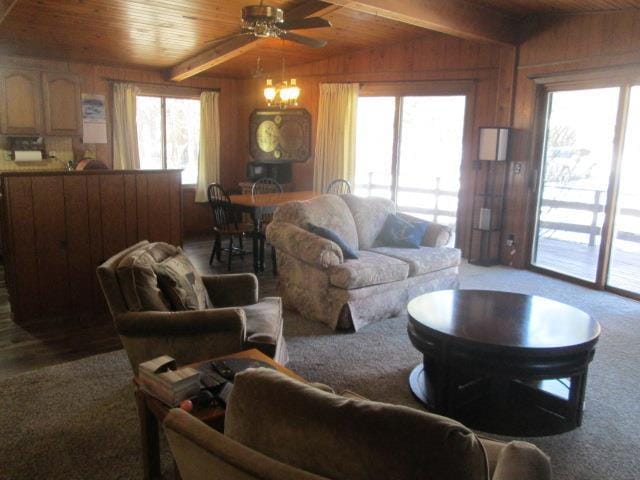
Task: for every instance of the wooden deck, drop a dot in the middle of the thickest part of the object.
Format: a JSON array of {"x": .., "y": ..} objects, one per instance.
[{"x": 580, "y": 260}]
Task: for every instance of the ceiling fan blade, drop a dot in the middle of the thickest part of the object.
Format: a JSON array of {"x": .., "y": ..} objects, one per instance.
[
  {"x": 303, "y": 23},
  {"x": 308, "y": 41},
  {"x": 216, "y": 41}
]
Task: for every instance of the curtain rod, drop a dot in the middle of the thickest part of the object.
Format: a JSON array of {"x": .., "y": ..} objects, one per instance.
[{"x": 160, "y": 84}]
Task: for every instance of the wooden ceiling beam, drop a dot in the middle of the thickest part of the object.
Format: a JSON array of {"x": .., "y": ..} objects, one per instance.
[
  {"x": 237, "y": 46},
  {"x": 5, "y": 8},
  {"x": 453, "y": 17}
]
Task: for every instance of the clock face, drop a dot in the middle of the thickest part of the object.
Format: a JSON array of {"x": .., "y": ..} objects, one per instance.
[
  {"x": 267, "y": 136},
  {"x": 283, "y": 135}
]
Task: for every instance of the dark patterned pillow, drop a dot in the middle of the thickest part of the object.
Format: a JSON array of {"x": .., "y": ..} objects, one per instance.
[
  {"x": 347, "y": 252},
  {"x": 398, "y": 232},
  {"x": 181, "y": 283}
]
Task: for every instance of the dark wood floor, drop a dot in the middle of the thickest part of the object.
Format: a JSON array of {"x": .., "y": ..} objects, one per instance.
[{"x": 41, "y": 343}]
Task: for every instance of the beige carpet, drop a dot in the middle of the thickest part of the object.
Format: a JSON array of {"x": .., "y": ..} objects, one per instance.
[{"x": 78, "y": 420}]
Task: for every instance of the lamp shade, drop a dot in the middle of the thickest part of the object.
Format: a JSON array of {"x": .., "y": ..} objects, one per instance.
[{"x": 494, "y": 142}]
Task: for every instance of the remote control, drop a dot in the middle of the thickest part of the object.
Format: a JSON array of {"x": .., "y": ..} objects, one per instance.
[{"x": 223, "y": 369}]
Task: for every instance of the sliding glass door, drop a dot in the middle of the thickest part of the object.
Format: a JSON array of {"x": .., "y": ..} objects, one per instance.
[
  {"x": 430, "y": 157},
  {"x": 409, "y": 149},
  {"x": 576, "y": 166},
  {"x": 588, "y": 218}
]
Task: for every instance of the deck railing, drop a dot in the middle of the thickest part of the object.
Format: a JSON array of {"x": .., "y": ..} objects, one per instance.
[
  {"x": 596, "y": 207},
  {"x": 437, "y": 192}
]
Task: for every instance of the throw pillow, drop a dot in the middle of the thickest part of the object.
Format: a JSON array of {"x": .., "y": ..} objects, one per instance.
[
  {"x": 347, "y": 251},
  {"x": 182, "y": 284},
  {"x": 398, "y": 232},
  {"x": 139, "y": 283}
]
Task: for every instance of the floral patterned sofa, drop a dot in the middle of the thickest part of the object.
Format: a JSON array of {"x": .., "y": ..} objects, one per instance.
[{"x": 321, "y": 285}]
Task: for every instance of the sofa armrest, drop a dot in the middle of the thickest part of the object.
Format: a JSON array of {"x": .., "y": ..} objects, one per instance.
[
  {"x": 184, "y": 323},
  {"x": 436, "y": 235},
  {"x": 304, "y": 245},
  {"x": 232, "y": 290}
]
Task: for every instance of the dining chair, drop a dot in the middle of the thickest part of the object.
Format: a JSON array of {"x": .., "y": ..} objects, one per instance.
[
  {"x": 339, "y": 186},
  {"x": 264, "y": 186},
  {"x": 226, "y": 223}
]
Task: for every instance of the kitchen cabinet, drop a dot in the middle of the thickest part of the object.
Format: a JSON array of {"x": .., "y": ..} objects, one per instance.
[
  {"x": 61, "y": 103},
  {"x": 20, "y": 102},
  {"x": 39, "y": 103}
]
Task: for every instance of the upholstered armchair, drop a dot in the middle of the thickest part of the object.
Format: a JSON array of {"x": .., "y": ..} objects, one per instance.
[
  {"x": 227, "y": 318},
  {"x": 277, "y": 428}
]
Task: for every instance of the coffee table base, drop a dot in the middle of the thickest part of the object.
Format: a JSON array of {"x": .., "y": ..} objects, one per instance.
[{"x": 506, "y": 406}]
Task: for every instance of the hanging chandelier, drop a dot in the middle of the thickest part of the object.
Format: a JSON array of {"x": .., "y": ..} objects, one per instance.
[{"x": 284, "y": 94}]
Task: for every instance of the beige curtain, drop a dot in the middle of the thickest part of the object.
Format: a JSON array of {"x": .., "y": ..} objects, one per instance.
[
  {"x": 209, "y": 157},
  {"x": 335, "y": 152},
  {"x": 125, "y": 134}
]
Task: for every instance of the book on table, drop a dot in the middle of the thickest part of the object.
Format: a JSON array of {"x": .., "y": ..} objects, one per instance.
[{"x": 161, "y": 378}]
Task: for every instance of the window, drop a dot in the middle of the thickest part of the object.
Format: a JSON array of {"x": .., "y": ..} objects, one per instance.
[
  {"x": 169, "y": 134},
  {"x": 409, "y": 149}
]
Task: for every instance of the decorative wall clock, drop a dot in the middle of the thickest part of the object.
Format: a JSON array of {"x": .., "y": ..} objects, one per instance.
[{"x": 280, "y": 135}]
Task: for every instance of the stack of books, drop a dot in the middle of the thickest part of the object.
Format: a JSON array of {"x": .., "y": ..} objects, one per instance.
[{"x": 160, "y": 377}]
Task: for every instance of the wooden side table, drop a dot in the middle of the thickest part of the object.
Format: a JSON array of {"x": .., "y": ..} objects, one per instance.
[{"x": 152, "y": 412}]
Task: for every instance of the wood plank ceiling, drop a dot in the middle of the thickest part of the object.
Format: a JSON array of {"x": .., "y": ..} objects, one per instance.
[
  {"x": 523, "y": 8},
  {"x": 159, "y": 34}
]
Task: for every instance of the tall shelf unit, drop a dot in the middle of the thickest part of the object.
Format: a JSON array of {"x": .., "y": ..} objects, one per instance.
[{"x": 489, "y": 196}]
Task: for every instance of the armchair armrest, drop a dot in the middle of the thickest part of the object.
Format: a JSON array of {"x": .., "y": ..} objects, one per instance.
[
  {"x": 184, "y": 323},
  {"x": 522, "y": 460},
  {"x": 304, "y": 245},
  {"x": 232, "y": 290},
  {"x": 436, "y": 235}
]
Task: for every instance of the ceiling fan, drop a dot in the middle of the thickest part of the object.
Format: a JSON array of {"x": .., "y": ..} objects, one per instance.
[{"x": 264, "y": 21}]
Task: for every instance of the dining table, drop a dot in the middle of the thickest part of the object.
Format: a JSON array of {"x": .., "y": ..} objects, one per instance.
[{"x": 259, "y": 205}]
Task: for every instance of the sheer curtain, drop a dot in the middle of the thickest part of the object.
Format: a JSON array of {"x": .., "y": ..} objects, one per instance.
[
  {"x": 209, "y": 156},
  {"x": 125, "y": 133},
  {"x": 335, "y": 151}
]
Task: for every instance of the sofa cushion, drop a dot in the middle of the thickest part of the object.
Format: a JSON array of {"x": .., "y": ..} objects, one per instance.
[
  {"x": 347, "y": 252},
  {"x": 346, "y": 438},
  {"x": 401, "y": 233},
  {"x": 424, "y": 259},
  {"x": 181, "y": 283},
  {"x": 369, "y": 214},
  {"x": 328, "y": 211},
  {"x": 370, "y": 269},
  {"x": 138, "y": 281}
]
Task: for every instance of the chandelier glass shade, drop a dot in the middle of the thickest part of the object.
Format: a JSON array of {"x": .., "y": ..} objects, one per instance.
[{"x": 285, "y": 94}]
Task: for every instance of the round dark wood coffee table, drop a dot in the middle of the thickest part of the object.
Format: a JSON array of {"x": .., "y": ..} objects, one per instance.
[{"x": 502, "y": 362}]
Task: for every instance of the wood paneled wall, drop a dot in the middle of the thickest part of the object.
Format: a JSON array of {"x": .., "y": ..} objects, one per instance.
[
  {"x": 559, "y": 44},
  {"x": 435, "y": 57},
  {"x": 59, "y": 226}
]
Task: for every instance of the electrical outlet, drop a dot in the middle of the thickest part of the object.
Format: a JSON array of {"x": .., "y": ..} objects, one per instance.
[
  {"x": 511, "y": 240},
  {"x": 517, "y": 168}
]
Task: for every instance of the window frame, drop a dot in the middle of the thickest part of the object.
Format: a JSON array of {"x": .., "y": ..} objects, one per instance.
[{"x": 163, "y": 92}]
